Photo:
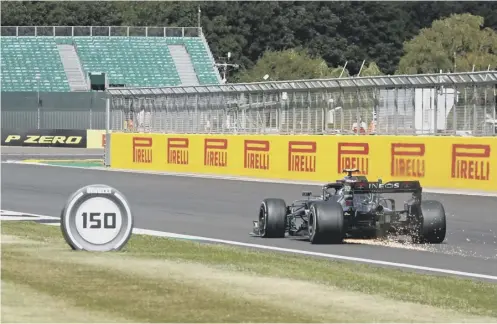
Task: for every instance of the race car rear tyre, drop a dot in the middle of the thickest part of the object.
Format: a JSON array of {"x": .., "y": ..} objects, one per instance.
[
  {"x": 326, "y": 224},
  {"x": 272, "y": 218},
  {"x": 432, "y": 225}
]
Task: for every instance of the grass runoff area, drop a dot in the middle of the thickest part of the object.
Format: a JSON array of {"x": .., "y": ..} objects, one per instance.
[{"x": 165, "y": 280}]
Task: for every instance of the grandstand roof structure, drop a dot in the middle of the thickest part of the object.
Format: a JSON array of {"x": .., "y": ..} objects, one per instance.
[{"x": 386, "y": 82}]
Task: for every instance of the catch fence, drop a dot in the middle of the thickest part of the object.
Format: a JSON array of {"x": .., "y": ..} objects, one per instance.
[{"x": 431, "y": 104}]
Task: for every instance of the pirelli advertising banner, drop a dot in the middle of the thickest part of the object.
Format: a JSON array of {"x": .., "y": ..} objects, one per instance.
[
  {"x": 44, "y": 137},
  {"x": 437, "y": 162},
  {"x": 95, "y": 138}
]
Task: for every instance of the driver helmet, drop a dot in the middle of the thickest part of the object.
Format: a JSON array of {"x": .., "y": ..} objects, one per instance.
[{"x": 350, "y": 178}]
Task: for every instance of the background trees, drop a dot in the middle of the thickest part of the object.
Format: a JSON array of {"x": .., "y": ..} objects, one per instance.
[
  {"x": 290, "y": 64},
  {"x": 457, "y": 43},
  {"x": 392, "y": 37}
]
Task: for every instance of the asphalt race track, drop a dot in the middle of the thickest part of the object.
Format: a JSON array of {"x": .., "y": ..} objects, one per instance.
[
  {"x": 225, "y": 210},
  {"x": 49, "y": 153}
]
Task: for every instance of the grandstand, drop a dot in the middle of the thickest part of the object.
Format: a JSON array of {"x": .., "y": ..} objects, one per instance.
[{"x": 58, "y": 59}]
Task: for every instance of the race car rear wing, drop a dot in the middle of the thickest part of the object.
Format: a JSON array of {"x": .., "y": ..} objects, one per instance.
[{"x": 388, "y": 187}]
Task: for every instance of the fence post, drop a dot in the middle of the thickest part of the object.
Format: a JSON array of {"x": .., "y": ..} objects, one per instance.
[
  {"x": 474, "y": 108},
  {"x": 38, "y": 122},
  {"x": 435, "y": 115},
  {"x": 454, "y": 111},
  {"x": 395, "y": 117},
  {"x": 107, "y": 133}
]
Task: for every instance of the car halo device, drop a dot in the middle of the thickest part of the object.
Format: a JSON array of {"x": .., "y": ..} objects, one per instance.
[{"x": 96, "y": 218}]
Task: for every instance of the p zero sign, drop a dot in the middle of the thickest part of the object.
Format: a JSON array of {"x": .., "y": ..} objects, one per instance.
[{"x": 44, "y": 137}]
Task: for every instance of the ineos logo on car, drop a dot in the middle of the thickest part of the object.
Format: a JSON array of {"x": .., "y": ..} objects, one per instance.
[{"x": 97, "y": 218}]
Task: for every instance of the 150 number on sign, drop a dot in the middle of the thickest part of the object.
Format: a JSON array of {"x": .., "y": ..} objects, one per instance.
[{"x": 109, "y": 220}]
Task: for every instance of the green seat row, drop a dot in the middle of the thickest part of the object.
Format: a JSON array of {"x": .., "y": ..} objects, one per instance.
[
  {"x": 133, "y": 61},
  {"x": 31, "y": 64}
]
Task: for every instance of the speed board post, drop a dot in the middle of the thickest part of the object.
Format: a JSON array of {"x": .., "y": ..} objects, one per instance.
[{"x": 96, "y": 218}]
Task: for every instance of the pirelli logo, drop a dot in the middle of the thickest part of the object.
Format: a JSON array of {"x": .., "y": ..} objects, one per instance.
[
  {"x": 142, "y": 150},
  {"x": 353, "y": 156},
  {"x": 216, "y": 152},
  {"x": 407, "y": 160},
  {"x": 178, "y": 150},
  {"x": 471, "y": 161},
  {"x": 302, "y": 156},
  {"x": 256, "y": 155}
]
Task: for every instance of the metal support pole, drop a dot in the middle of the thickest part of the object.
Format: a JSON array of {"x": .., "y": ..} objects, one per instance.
[
  {"x": 38, "y": 101},
  {"x": 107, "y": 157},
  {"x": 495, "y": 110},
  {"x": 454, "y": 111},
  {"x": 475, "y": 115},
  {"x": 435, "y": 114}
]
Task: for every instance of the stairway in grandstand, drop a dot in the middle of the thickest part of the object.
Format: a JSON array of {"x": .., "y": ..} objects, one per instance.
[
  {"x": 72, "y": 67},
  {"x": 184, "y": 65},
  {"x": 50, "y": 64}
]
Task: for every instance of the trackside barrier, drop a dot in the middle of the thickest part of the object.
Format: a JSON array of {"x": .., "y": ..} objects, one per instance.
[
  {"x": 438, "y": 162},
  {"x": 65, "y": 138},
  {"x": 96, "y": 138}
]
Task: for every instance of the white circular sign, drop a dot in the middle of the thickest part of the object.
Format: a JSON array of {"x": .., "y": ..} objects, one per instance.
[
  {"x": 109, "y": 222},
  {"x": 96, "y": 218}
]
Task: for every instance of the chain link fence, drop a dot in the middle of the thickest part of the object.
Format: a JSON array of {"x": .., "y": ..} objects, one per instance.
[{"x": 448, "y": 104}]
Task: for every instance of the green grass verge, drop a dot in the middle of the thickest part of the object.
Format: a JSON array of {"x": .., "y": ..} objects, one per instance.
[{"x": 166, "y": 280}]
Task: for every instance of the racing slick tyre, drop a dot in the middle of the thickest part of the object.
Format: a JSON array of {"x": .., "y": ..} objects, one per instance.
[
  {"x": 326, "y": 224},
  {"x": 272, "y": 218},
  {"x": 432, "y": 225}
]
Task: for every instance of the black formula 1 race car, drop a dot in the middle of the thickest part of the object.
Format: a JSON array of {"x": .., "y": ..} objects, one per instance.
[{"x": 353, "y": 207}]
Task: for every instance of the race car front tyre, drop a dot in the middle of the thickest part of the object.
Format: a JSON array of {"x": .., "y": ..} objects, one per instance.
[
  {"x": 272, "y": 218},
  {"x": 432, "y": 225},
  {"x": 326, "y": 223}
]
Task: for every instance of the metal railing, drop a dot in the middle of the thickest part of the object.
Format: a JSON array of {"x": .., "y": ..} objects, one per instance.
[
  {"x": 75, "y": 31},
  {"x": 435, "y": 104}
]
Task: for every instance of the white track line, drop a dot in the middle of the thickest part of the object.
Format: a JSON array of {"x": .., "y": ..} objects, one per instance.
[
  {"x": 141, "y": 231},
  {"x": 247, "y": 179}
]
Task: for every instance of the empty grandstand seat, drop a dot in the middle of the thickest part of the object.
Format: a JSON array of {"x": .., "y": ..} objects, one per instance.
[
  {"x": 24, "y": 58},
  {"x": 132, "y": 61}
]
